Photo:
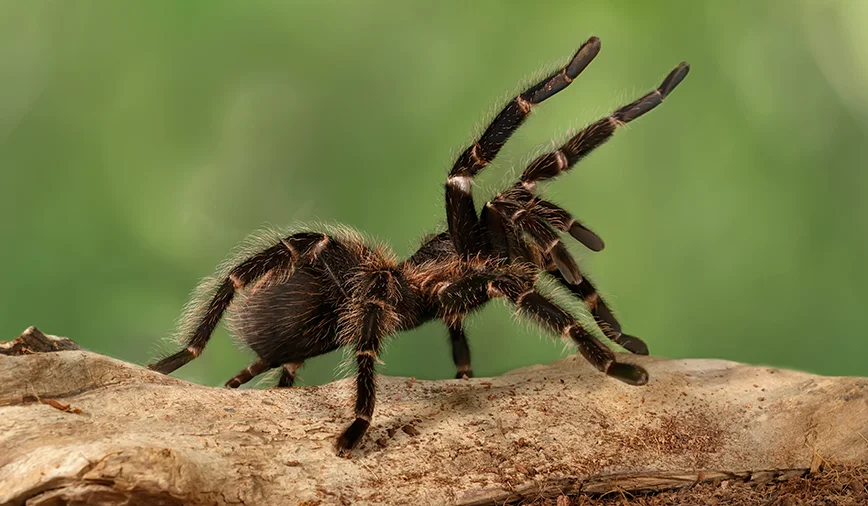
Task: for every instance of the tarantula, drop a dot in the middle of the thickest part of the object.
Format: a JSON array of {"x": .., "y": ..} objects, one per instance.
[{"x": 310, "y": 292}]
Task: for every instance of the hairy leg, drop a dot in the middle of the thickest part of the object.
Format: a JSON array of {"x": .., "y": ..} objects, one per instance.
[
  {"x": 604, "y": 318},
  {"x": 469, "y": 293},
  {"x": 460, "y": 350},
  {"x": 247, "y": 374},
  {"x": 460, "y": 211},
  {"x": 287, "y": 374},
  {"x": 283, "y": 255}
]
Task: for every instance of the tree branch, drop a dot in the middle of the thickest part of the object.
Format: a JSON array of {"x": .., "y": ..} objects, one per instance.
[{"x": 83, "y": 428}]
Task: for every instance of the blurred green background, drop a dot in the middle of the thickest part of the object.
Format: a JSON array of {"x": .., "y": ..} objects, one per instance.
[{"x": 140, "y": 141}]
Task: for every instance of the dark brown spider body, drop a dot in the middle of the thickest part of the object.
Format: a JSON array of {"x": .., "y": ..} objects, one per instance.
[
  {"x": 305, "y": 294},
  {"x": 286, "y": 319}
]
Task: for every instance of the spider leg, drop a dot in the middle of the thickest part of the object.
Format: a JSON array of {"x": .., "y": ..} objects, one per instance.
[
  {"x": 287, "y": 374},
  {"x": 579, "y": 146},
  {"x": 247, "y": 374},
  {"x": 282, "y": 255},
  {"x": 529, "y": 301},
  {"x": 460, "y": 350},
  {"x": 502, "y": 232},
  {"x": 604, "y": 318},
  {"x": 507, "y": 234},
  {"x": 535, "y": 216},
  {"x": 564, "y": 221},
  {"x": 366, "y": 357},
  {"x": 370, "y": 317},
  {"x": 553, "y": 214},
  {"x": 542, "y": 234},
  {"x": 519, "y": 201},
  {"x": 460, "y": 211},
  {"x": 470, "y": 292},
  {"x": 503, "y": 239}
]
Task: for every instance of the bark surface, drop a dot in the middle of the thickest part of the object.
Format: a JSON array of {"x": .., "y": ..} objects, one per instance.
[{"x": 82, "y": 428}]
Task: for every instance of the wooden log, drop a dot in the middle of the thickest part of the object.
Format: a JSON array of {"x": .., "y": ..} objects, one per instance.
[{"x": 80, "y": 428}]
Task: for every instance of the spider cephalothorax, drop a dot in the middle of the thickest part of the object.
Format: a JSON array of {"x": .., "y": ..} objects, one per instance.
[{"x": 312, "y": 292}]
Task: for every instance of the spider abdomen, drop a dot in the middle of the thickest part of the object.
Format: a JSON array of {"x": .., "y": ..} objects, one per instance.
[{"x": 290, "y": 320}]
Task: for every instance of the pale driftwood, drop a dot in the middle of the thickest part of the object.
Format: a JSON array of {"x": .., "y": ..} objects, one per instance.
[{"x": 77, "y": 427}]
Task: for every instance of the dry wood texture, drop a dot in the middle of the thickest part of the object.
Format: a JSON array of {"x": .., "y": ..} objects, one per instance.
[{"x": 78, "y": 427}]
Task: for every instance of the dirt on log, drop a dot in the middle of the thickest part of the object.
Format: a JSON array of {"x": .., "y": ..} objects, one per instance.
[{"x": 80, "y": 428}]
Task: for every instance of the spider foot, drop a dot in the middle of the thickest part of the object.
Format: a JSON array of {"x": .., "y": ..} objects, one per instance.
[
  {"x": 286, "y": 380},
  {"x": 466, "y": 374},
  {"x": 628, "y": 373},
  {"x": 351, "y": 437},
  {"x": 172, "y": 362}
]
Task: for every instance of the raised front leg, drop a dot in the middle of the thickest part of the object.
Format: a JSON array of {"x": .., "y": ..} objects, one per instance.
[
  {"x": 460, "y": 211},
  {"x": 536, "y": 217}
]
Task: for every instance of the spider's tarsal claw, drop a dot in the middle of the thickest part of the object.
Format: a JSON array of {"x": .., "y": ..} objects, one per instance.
[
  {"x": 632, "y": 344},
  {"x": 628, "y": 373},
  {"x": 636, "y": 109},
  {"x": 583, "y": 57},
  {"x": 587, "y": 237},
  {"x": 674, "y": 78},
  {"x": 464, "y": 374},
  {"x": 645, "y": 104},
  {"x": 172, "y": 362},
  {"x": 350, "y": 438},
  {"x": 285, "y": 380}
]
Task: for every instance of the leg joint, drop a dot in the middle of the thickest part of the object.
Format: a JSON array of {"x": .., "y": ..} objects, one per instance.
[
  {"x": 461, "y": 183},
  {"x": 521, "y": 296},
  {"x": 591, "y": 301},
  {"x": 562, "y": 161},
  {"x": 289, "y": 247},
  {"x": 492, "y": 290},
  {"x": 320, "y": 246},
  {"x": 549, "y": 247},
  {"x": 517, "y": 215},
  {"x": 474, "y": 152}
]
